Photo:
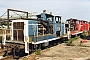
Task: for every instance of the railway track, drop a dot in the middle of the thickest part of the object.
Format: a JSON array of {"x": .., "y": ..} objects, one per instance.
[
  {"x": 10, "y": 51},
  {"x": 3, "y": 52}
]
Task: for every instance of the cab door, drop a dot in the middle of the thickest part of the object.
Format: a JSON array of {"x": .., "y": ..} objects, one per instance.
[{"x": 18, "y": 31}]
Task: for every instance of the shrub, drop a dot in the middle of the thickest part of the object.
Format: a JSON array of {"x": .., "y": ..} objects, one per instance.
[
  {"x": 84, "y": 34},
  {"x": 38, "y": 52},
  {"x": 69, "y": 43}
]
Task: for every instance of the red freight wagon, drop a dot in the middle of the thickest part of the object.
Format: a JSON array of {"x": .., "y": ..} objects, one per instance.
[
  {"x": 82, "y": 25},
  {"x": 87, "y": 26},
  {"x": 77, "y": 26}
]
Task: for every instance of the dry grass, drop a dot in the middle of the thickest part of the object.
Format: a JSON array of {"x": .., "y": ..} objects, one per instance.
[{"x": 29, "y": 57}]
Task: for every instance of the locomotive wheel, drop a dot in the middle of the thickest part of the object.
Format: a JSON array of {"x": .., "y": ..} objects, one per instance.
[
  {"x": 17, "y": 48},
  {"x": 16, "y": 51},
  {"x": 5, "y": 54}
]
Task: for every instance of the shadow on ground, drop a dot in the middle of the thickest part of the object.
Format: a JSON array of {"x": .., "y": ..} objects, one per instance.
[{"x": 87, "y": 37}]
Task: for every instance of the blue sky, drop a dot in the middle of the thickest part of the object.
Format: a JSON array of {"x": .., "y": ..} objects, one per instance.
[{"x": 79, "y": 9}]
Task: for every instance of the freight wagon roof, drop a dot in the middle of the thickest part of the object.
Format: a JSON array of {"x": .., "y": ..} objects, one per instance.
[{"x": 76, "y": 20}]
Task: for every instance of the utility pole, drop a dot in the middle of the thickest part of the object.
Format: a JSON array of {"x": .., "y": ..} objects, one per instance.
[{"x": 8, "y": 18}]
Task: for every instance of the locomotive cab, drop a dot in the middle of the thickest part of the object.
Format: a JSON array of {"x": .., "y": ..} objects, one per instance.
[{"x": 51, "y": 23}]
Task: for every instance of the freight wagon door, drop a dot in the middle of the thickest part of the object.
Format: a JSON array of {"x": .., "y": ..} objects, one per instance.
[{"x": 18, "y": 31}]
